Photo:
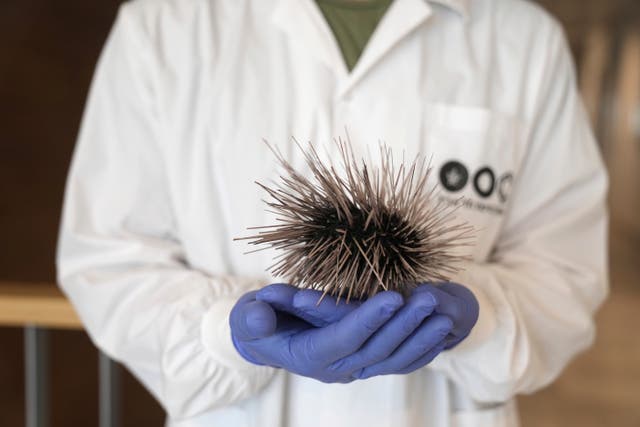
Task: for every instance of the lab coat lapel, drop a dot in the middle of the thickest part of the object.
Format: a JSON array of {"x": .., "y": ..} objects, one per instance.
[
  {"x": 402, "y": 18},
  {"x": 304, "y": 23}
]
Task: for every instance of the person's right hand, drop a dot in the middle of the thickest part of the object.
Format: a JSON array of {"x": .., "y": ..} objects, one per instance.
[
  {"x": 266, "y": 336},
  {"x": 349, "y": 341},
  {"x": 421, "y": 329}
]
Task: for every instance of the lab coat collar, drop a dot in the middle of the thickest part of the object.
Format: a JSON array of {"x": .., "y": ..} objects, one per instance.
[
  {"x": 400, "y": 20},
  {"x": 460, "y": 6},
  {"x": 303, "y": 22}
]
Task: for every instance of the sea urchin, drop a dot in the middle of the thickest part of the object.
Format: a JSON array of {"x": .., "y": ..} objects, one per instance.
[{"x": 365, "y": 230}]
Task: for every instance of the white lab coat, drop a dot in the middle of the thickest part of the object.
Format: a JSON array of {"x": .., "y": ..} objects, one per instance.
[{"x": 170, "y": 146}]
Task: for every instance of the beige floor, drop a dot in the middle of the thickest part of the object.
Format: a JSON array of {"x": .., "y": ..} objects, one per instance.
[{"x": 602, "y": 386}]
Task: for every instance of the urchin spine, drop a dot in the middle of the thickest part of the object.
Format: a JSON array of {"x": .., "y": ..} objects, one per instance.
[{"x": 367, "y": 229}]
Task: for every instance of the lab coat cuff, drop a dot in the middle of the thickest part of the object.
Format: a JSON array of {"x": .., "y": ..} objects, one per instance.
[{"x": 216, "y": 335}]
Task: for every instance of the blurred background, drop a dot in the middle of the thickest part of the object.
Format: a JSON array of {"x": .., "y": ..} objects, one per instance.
[{"x": 47, "y": 55}]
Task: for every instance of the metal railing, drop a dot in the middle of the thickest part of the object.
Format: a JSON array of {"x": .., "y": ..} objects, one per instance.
[{"x": 38, "y": 308}]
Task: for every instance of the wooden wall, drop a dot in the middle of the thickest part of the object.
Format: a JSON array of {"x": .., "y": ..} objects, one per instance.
[{"x": 48, "y": 50}]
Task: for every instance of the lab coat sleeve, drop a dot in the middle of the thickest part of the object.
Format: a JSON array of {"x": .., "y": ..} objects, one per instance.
[
  {"x": 547, "y": 274},
  {"x": 120, "y": 260}
]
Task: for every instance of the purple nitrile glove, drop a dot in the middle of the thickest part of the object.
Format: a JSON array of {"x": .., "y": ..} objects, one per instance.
[
  {"x": 266, "y": 336},
  {"x": 408, "y": 341},
  {"x": 452, "y": 299},
  {"x": 456, "y": 302},
  {"x": 313, "y": 309}
]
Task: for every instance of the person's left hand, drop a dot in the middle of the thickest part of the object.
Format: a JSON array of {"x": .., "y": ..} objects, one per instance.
[
  {"x": 456, "y": 302},
  {"x": 450, "y": 300}
]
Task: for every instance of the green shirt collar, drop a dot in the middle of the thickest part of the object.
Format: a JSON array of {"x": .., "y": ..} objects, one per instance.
[{"x": 460, "y": 6}]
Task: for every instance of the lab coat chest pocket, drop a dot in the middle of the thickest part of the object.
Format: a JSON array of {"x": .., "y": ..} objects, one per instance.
[{"x": 475, "y": 158}]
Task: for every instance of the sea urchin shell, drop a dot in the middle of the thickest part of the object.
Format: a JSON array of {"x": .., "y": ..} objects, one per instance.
[{"x": 365, "y": 230}]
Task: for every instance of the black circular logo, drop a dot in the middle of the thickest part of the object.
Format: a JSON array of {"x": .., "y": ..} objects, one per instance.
[
  {"x": 454, "y": 176},
  {"x": 504, "y": 187},
  {"x": 484, "y": 181}
]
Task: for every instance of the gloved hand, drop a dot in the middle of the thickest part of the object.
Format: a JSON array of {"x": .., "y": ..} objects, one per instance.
[
  {"x": 458, "y": 303},
  {"x": 454, "y": 301},
  {"x": 409, "y": 340},
  {"x": 306, "y": 304},
  {"x": 266, "y": 336}
]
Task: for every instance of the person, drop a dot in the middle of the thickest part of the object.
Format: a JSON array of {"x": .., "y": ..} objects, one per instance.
[{"x": 162, "y": 180}]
